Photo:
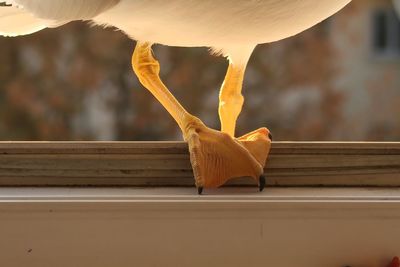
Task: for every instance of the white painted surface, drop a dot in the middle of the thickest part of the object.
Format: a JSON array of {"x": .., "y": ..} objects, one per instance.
[{"x": 175, "y": 227}]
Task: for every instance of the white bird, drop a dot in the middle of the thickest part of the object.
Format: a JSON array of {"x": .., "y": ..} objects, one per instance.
[{"x": 229, "y": 27}]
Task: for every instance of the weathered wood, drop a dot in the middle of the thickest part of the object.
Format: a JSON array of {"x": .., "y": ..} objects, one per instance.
[{"x": 167, "y": 164}]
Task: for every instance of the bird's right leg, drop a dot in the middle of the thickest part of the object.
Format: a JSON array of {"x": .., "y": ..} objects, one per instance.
[
  {"x": 215, "y": 156},
  {"x": 231, "y": 100}
]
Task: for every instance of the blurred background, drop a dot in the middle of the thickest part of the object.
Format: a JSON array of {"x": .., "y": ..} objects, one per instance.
[{"x": 339, "y": 81}]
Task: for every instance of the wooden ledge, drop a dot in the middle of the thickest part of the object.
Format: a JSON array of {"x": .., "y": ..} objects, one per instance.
[
  {"x": 128, "y": 226},
  {"x": 167, "y": 164},
  {"x": 189, "y": 195},
  {"x": 227, "y": 203}
]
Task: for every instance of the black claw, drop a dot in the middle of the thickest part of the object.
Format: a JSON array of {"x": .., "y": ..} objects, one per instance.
[
  {"x": 262, "y": 183},
  {"x": 200, "y": 190},
  {"x": 270, "y": 136}
]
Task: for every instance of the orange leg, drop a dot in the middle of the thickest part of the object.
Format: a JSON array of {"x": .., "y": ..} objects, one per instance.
[
  {"x": 231, "y": 99},
  {"x": 230, "y": 105},
  {"x": 215, "y": 156}
]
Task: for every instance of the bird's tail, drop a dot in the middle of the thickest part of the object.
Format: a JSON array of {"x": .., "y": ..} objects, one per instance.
[{"x": 16, "y": 21}]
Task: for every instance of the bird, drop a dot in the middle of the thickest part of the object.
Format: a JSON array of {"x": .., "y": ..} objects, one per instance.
[{"x": 229, "y": 28}]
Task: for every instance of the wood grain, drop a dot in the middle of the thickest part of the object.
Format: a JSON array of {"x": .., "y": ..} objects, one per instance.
[{"x": 167, "y": 164}]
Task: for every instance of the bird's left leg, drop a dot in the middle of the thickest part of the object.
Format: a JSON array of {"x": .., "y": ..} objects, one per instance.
[{"x": 231, "y": 100}]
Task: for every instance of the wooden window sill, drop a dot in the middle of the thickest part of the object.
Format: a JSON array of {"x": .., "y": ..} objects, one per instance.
[
  {"x": 134, "y": 204},
  {"x": 167, "y": 164}
]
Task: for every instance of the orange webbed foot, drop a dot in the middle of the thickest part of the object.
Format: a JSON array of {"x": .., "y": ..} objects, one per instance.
[{"x": 216, "y": 157}]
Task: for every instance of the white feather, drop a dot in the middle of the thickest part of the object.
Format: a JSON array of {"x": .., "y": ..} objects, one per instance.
[
  {"x": 233, "y": 27},
  {"x": 28, "y": 16},
  {"x": 14, "y": 21},
  {"x": 64, "y": 10}
]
